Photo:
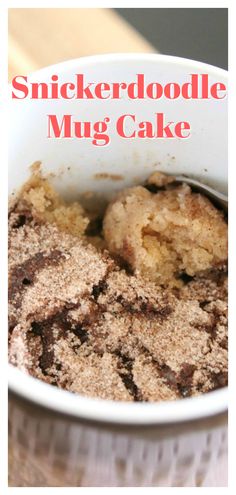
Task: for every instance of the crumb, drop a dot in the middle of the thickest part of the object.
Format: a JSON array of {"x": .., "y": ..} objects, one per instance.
[
  {"x": 114, "y": 177},
  {"x": 159, "y": 179}
]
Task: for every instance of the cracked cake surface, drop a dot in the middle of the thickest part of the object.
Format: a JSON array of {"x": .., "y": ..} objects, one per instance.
[
  {"x": 79, "y": 321},
  {"x": 166, "y": 234}
]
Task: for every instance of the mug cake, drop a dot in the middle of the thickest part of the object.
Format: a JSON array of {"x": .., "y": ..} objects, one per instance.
[{"x": 130, "y": 306}]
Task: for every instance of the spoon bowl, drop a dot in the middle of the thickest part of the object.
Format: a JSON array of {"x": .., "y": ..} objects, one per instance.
[{"x": 216, "y": 197}]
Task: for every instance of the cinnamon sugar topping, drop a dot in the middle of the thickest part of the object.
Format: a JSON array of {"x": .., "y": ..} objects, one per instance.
[{"x": 81, "y": 322}]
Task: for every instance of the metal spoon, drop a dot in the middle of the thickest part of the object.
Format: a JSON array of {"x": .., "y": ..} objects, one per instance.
[{"x": 219, "y": 198}]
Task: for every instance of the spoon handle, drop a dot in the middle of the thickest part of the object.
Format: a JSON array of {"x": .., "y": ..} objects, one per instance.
[{"x": 220, "y": 198}]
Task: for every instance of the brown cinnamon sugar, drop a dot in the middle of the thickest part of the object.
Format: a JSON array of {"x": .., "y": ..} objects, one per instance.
[{"x": 79, "y": 321}]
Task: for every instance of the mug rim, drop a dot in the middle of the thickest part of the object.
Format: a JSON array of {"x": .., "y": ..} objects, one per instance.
[
  {"x": 62, "y": 401},
  {"x": 118, "y": 412},
  {"x": 129, "y": 57}
]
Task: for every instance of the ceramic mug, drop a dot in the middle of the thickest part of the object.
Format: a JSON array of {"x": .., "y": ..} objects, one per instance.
[{"x": 62, "y": 439}]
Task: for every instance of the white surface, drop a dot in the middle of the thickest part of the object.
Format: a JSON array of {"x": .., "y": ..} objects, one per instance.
[
  {"x": 54, "y": 451},
  {"x": 203, "y": 156}
]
